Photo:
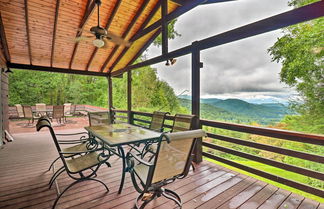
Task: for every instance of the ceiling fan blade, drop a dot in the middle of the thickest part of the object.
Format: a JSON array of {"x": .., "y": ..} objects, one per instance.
[
  {"x": 83, "y": 38},
  {"x": 117, "y": 40}
]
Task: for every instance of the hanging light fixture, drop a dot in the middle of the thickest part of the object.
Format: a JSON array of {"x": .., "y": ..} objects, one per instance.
[{"x": 170, "y": 62}]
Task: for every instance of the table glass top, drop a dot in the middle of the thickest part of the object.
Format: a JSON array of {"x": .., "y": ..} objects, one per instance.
[{"x": 122, "y": 133}]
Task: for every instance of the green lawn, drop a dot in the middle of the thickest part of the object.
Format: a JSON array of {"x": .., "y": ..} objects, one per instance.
[{"x": 275, "y": 171}]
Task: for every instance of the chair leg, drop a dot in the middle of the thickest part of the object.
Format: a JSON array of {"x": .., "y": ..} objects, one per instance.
[
  {"x": 54, "y": 177},
  {"x": 53, "y": 163},
  {"x": 68, "y": 187},
  {"x": 77, "y": 181},
  {"x": 172, "y": 196},
  {"x": 145, "y": 202}
]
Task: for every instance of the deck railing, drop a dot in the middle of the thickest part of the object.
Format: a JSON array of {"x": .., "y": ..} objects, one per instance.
[{"x": 142, "y": 118}]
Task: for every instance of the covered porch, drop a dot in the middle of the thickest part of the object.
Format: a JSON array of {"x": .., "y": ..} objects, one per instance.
[{"x": 23, "y": 178}]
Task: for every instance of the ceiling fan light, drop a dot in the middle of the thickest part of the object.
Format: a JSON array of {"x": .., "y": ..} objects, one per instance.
[{"x": 98, "y": 43}]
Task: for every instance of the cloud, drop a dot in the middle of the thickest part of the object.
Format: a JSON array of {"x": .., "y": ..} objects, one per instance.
[{"x": 241, "y": 66}]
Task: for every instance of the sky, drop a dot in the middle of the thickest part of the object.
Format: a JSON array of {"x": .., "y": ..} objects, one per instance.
[{"x": 241, "y": 69}]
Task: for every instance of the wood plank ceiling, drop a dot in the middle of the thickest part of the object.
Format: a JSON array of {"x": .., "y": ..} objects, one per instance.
[{"x": 42, "y": 32}]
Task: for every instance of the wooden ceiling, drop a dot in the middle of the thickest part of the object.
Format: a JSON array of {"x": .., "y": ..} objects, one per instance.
[{"x": 41, "y": 33}]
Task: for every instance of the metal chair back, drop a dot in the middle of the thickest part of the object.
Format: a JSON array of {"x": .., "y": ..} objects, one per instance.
[
  {"x": 99, "y": 118},
  {"x": 174, "y": 155},
  {"x": 58, "y": 111},
  {"x": 40, "y": 107},
  {"x": 183, "y": 122},
  {"x": 158, "y": 121},
  {"x": 20, "y": 111},
  {"x": 67, "y": 108},
  {"x": 28, "y": 112}
]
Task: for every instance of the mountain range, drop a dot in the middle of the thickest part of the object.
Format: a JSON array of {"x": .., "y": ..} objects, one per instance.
[{"x": 237, "y": 110}]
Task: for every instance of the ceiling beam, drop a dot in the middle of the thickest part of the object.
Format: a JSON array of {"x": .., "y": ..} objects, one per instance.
[
  {"x": 179, "y": 2},
  {"x": 113, "y": 14},
  {"x": 305, "y": 13},
  {"x": 27, "y": 31},
  {"x": 54, "y": 30},
  {"x": 4, "y": 42},
  {"x": 126, "y": 32},
  {"x": 215, "y": 1},
  {"x": 183, "y": 2},
  {"x": 53, "y": 69},
  {"x": 190, "y": 4},
  {"x": 147, "y": 20},
  {"x": 91, "y": 5},
  {"x": 139, "y": 53}
]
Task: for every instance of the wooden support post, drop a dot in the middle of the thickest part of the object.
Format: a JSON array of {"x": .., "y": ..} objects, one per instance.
[
  {"x": 195, "y": 96},
  {"x": 110, "y": 99},
  {"x": 129, "y": 97},
  {"x": 164, "y": 12},
  {"x": 110, "y": 94}
]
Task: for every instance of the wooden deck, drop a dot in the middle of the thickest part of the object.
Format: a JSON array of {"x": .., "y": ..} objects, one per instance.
[{"x": 23, "y": 184}]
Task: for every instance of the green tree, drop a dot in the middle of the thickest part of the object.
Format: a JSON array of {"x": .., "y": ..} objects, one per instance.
[
  {"x": 301, "y": 50},
  {"x": 172, "y": 33}
]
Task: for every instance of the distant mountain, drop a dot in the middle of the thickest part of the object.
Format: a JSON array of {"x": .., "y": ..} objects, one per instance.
[{"x": 239, "y": 110}]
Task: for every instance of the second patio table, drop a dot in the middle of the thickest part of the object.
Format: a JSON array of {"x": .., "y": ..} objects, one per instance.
[{"x": 117, "y": 135}]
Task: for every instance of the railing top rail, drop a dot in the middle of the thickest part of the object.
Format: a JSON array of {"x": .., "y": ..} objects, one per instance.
[{"x": 276, "y": 133}]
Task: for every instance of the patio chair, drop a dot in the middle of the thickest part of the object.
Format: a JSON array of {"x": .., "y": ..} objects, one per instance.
[
  {"x": 157, "y": 121},
  {"x": 81, "y": 168},
  {"x": 29, "y": 115},
  {"x": 58, "y": 113},
  {"x": 181, "y": 122},
  {"x": 20, "y": 111},
  {"x": 171, "y": 162},
  {"x": 41, "y": 109},
  {"x": 99, "y": 118},
  {"x": 83, "y": 144},
  {"x": 69, "y": 110}
]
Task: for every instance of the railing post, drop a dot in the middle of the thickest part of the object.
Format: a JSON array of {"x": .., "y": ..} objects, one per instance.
[
  {"x": 110, "y": 99},
  {"x": 129, "y": 97},
  {"x": 195, "y": 96}
]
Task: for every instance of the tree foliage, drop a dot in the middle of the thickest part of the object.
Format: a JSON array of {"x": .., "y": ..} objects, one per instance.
[
  {"x": 148, "y": 92},
  {"x": 172, "y": 33},
  {"x": 301, "y": 50}
]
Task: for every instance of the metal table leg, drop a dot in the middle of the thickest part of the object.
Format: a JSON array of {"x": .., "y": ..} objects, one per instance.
[{"x": 123, "y": 157}]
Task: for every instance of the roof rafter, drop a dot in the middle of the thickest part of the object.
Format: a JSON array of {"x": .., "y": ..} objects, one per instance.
[
  {"x": 176, "y": 13},
  {"x": 305, "y": 13},
  {"x": 54, "y": 30},
  {"x": 147, "y": 20},
  {"x": 4, "y": 42},
  {"x": 130, "y": 26},
  {"x": 179, "y": 2},
  {"x": 27, "y": 31},
  {"x": 117, "y": 73},
  {"x": 107, "y": 26},
  {"x": 89, "y": 10}
]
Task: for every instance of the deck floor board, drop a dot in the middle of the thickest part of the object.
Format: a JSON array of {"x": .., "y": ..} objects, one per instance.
[{"x": 24, "y": 184}]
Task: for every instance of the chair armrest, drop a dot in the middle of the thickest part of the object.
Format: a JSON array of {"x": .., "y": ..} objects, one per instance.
[
  {"x": 139, "y": 159},
  {"x": 71, "y": 134},
  {"x": 94, "y": 150},
  {"x": 70, "y": 141}
]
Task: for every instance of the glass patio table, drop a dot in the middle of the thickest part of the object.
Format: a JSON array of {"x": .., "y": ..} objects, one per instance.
[{"x": 117, "y": 135}]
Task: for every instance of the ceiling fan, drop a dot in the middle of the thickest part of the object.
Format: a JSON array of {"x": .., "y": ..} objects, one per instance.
[{"x": 101, "y": 35}]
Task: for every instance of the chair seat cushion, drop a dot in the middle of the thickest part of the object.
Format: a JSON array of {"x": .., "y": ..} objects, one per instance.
[
  {"x": 83, "y": 162},
  {"x": 142, "y": 172},
  {"x": 76, "y": 148}
]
